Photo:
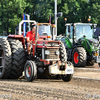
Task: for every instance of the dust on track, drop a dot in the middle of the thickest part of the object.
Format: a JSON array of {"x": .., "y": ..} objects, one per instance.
[{"x": 50, "y": 89}]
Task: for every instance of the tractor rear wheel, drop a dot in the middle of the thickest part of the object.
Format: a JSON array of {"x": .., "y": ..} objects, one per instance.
[
  {"x": 5, "y": 58},
  {"x": 30, "y": 70},
  {"x": 79, "y": 57},
  {"x": 90, "y": 62},
  {"x": 18, "y": 58},
  {"x": 63, "y": 54}
]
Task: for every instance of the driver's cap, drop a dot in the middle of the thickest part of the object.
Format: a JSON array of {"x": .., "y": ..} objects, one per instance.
[{"x": 32, "y": 25}]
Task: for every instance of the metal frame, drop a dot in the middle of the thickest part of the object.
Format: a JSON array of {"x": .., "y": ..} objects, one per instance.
[{"x": 20, "y": 33}]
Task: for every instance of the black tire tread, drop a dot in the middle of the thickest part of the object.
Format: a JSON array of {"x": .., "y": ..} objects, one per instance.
[
  {"x": 90, "y": 62},
  {"x": 34, "y": 71},
  {"x": 7, "y": 56},
  {"x": 63, "y": 54},
  {"x": 82, "y": 57},
  {"x": 18, "y": 58}
]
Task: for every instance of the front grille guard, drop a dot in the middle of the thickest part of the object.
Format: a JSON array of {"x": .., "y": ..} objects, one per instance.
[{"x": 52, "y": 56}]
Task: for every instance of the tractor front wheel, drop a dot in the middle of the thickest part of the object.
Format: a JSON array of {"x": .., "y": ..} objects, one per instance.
[
  {"x": 30, "y": 70},
  {"x": 79, "y": 57},
  {"x": 67, "y": 77}
]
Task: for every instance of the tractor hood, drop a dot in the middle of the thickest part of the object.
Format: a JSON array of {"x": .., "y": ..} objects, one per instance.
[{"x": 94, "y": 42}]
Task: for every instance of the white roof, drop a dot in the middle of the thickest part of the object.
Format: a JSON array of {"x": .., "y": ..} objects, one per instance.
[{"x": 79, "y": 24}]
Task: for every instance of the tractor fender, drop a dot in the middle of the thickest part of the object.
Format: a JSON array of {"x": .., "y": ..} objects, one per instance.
[
  {"x": 18, "y": 37},
  {"x": 75, "y": 46}
]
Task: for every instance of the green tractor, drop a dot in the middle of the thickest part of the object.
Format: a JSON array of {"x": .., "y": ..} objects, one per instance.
[{"x": 82, "y": 48}]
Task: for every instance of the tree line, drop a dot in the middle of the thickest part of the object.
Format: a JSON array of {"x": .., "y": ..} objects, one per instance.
[{"x": 11, "y": 12}]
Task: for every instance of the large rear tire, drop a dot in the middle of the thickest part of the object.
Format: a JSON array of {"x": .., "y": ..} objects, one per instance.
[
  {"x": 63, "y": 54},
  {"x": 30, "y": 70},
  {"x": 5, "y": 58},
  {"x": 18, "y": 58},
  {"x": 79, "y": 57}
]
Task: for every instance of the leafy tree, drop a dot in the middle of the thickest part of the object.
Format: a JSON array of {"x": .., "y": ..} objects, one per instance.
[
  {"x": 10, "y": 14},
  {"x": 94, "y": 10}
]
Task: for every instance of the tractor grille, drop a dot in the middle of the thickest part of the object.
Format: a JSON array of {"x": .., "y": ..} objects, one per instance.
[
  {"x": 52, "y": 54},
  {"x": 53, "y": 44}
]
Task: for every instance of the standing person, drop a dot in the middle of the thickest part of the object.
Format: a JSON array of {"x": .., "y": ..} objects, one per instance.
[{"x": 31, "y": 37}]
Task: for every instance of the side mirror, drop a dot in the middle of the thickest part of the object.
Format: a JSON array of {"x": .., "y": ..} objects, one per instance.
[
  {"x": 69, "y": 28},
  {"x": 59, "y": 14}
]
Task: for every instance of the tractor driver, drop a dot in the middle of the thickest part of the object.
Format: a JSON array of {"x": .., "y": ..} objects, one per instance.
[{"x": 30, "y": 37}]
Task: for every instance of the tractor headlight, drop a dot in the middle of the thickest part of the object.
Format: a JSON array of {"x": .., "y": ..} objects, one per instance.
[
  {"x": 47, "y": 52},
  {"x": 96, "y": 54},
  {"x": 57, "y": 52},
  {"x": 49, "y": 45}
]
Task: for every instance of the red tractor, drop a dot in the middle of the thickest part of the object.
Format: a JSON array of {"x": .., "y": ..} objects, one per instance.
[{"x": 48, "y": 56}]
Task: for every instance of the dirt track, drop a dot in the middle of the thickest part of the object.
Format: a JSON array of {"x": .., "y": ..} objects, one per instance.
[
  {"x": 53, "y": 89},
  {"x": 49, "y": 89}
]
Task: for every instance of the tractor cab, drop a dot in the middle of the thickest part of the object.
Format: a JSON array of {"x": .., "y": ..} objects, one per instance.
[
  {"x": 82, "y": 48},
  {"x": 44, "y": 29},
  {"x": 80, "y": 30}
]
